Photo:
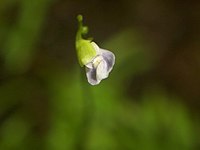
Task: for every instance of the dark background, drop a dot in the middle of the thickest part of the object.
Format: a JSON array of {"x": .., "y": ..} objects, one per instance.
[{"x": 151, "y": 100}]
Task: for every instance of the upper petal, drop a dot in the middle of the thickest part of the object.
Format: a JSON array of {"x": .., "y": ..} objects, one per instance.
[
  {"x": 109, "y": 57},
  {"x": 96, "y": 47}
]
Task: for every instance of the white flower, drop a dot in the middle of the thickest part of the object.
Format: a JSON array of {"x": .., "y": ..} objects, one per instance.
[{"x": 100, "y": 66}]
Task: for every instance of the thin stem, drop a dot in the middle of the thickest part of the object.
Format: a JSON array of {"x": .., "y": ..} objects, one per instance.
[{"x": 87, "y": 114}]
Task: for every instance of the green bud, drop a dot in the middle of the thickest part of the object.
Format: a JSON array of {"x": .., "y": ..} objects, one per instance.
[
  {"x": 84, "y": 48},
  {"x": 85, "y": 51}
]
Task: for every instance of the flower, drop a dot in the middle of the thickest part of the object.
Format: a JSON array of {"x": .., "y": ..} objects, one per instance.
[
  {"x": 100, "y": 66},
  {"x": 98, "y": 62}
]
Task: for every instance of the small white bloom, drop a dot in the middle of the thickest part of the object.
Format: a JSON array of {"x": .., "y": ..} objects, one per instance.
[{"x": 100, "y": 66}]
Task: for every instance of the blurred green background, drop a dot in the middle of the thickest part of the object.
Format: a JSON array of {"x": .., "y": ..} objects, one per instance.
[{"x": 151, "y": 101}]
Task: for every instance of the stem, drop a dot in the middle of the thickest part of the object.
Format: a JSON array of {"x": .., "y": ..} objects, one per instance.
[{"x": 87, "y": 114}]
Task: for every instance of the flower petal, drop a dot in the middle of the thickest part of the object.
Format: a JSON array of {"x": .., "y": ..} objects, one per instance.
[
  {"x": 91, "y": 76},
  {"x": 100, "y": 66},
  {"x": 109, "y": 57},
  {"x": 102, "y": 71},
  {"x": 96, "y": 47}
]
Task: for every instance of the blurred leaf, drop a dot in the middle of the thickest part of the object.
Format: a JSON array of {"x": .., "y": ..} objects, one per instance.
[
  {"x": 14, "y": 133},
  {"x": 159, "y": 122},
  {"x": 19, "y": 49}
]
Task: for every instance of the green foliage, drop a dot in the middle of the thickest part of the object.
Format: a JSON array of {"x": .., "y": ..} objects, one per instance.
[{"x": 19, "y": 47}]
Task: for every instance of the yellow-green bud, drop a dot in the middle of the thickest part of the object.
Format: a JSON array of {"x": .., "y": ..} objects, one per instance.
[{"x": 85, "y": 51}]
